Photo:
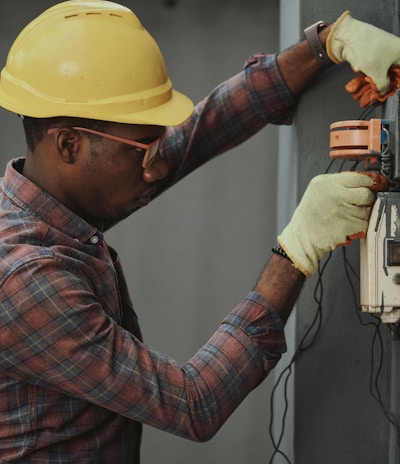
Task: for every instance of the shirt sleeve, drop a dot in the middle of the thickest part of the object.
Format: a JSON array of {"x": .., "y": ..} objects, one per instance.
[
  {"x": 234, "y": 111},
  {"x": 56, "y": 334}
]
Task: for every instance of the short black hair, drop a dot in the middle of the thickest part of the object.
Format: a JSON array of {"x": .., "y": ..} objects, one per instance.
[{"x": 36, "y": 128}]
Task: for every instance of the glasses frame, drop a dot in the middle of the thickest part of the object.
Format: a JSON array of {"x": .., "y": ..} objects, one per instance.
[{"x": 150, "y": 149}]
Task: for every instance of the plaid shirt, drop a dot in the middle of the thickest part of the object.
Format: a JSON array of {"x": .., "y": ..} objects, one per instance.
[{"x": 76, "y": 379}]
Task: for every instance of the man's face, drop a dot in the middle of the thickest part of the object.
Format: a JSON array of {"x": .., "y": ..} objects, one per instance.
[{"x": 108, "y": 181}]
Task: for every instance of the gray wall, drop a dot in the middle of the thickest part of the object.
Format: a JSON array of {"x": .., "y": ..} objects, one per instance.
[
  {"x": 191, "y": 256},
  {"x": 336, "y": 420}
]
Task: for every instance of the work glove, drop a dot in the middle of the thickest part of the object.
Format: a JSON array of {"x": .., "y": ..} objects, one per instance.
[
  {"x": 334, "y": 210},
  {"x": 367, "y": 49},
  {"x": 363, "y": 89}
]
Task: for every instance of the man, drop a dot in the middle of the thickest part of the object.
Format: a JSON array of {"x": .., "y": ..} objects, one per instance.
[{"x": 106, "y": 133}]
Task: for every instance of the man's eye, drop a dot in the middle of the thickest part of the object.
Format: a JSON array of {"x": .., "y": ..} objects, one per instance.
[{"x": 141, "y": 151}]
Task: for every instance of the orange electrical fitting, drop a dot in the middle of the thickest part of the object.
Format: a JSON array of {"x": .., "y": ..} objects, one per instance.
[{"x": 357, "y": 140}]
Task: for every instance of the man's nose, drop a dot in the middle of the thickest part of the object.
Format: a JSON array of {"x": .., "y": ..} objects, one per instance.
[{"x": 156, "y": 171}]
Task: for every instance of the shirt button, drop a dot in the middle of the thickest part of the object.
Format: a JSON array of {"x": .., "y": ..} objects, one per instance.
[{"x": 94, "y": 240}]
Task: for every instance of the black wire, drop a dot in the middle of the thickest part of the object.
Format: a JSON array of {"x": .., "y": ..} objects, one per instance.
[
  {"x": 318, "y": 297},
  {"x": 367, "y": 112},
  {"x": 374, "y": 379},
  {"x": 330, "y": 165},
  {"x": 374, "y": 382},
  {"x": 276, "y": 445},
  {"x": 377, "y": 335},
  {"x": 302, "y": 347}
]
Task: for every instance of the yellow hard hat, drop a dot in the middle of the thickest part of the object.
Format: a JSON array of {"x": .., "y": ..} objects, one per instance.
[{"x": 91, "y": 59}]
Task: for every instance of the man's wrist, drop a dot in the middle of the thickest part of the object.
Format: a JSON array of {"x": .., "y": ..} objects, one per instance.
[
  {"x": 280, "y": 284},
  {"x": 316, "y": 39},
  {"x": 279, "y": 251}
]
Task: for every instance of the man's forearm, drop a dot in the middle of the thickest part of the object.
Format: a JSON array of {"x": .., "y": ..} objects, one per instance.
[
  {"x": 280, "y": 284},
  {"x": 299, "y": 65}
]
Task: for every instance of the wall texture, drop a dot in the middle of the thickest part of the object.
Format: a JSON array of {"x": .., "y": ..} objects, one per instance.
[{"x": 336, "y": 419}]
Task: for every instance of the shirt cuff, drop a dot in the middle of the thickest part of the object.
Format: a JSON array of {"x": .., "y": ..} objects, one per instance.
[{"x": 272, "y": 90}]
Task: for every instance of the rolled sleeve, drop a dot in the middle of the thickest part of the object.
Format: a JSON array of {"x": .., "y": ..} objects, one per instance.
[
  {"x": 234, "y": 111},
  {"x": 261, "y": 322}
]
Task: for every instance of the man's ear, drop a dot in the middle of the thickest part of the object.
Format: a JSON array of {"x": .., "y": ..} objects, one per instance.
[{"x": 69, "y": 142}]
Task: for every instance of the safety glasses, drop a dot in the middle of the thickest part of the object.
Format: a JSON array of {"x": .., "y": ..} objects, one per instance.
[{"x": 148, "y": 150}]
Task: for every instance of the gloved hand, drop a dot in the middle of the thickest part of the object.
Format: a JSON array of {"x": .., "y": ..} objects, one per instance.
[
  {"x": 334, "y": 209},
  {"x": 363, "y": 89},
  {"x": 366, "y": 48}
]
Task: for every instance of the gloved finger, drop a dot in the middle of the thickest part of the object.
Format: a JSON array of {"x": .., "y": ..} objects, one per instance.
[
  {"x": 368, "y": 98},
  {"x": 394, "y": 76},
  {"x": 347, "y": 188},
  {"x": 359, "y": 214},
  {"x": 362, "y": 229},
  {"x": 352, "y": 237},
  {"x": 351, "y": 179},
  {"x": 363, "y": 88},
  {"x": 361, "y": 196},
  {"x": 361, "y": 234},
  {"x": 394, "y": 82},
  {"x": 351, "y": 198},
  {"x": 376, "y": 97},
  {"x": 380, "y": 183},
  {"x": 355, "y": 84},
  {"x": 394, "y": 70},
  {"x": 361, "y": 92},
  {"x": 370, "y": 93},
  {"x": 364, "y": 198}
]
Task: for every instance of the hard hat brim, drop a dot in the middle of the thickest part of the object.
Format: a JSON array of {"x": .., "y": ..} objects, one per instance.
[{"x": 171, "y": 113}]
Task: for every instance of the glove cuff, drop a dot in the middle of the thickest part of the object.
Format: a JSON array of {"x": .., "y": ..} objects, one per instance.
[
  {"x": 334, "y": 49},
  {"x": 302, "y": 261}
]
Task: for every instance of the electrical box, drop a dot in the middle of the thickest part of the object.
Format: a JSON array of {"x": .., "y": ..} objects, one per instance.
[
  {"x": 376, "y": 143},
  {"x": 380, "y": 259}
]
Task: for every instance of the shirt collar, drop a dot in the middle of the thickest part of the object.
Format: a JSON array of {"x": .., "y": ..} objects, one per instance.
[{"x": 31, "y": 197}]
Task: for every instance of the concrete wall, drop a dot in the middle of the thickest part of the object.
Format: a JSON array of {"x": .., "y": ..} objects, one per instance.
[
  {"x": 191, "y": 256},
  {"x": 336, "y": 420}
]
